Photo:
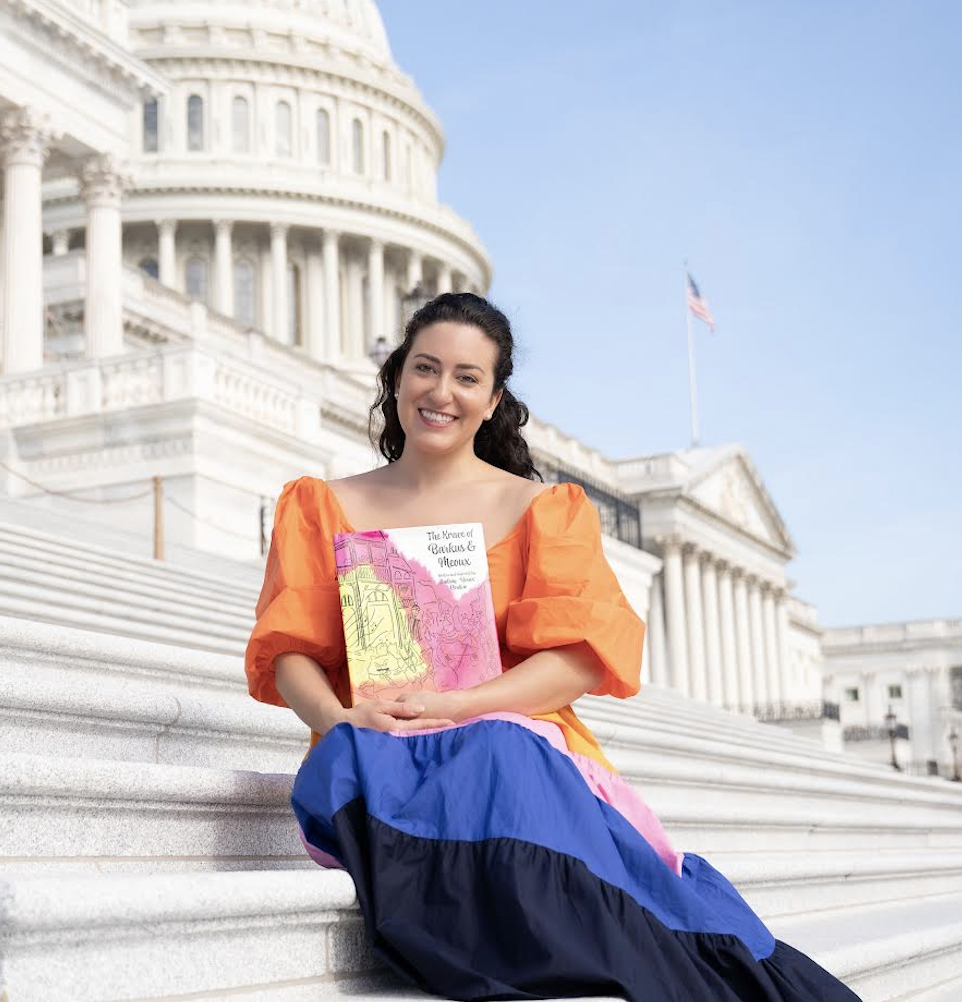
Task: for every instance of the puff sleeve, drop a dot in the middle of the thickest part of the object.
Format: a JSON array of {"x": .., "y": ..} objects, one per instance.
[
  {"x": 571, "y": 594},
  {"x": 299, "y": 607}
]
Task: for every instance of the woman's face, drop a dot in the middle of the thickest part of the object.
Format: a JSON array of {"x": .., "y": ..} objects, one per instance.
[{"x": 445, "y": 389}]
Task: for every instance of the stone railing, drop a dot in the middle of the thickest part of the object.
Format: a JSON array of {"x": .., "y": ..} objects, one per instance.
[
  {"x": 816, "y": 709},
  {"x": 157, "y": 376},
  {"x": 893, "y": 633}
]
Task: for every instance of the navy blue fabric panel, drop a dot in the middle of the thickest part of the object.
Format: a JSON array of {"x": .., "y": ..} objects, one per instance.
[
  {"x": 504, "y": 919},
  {"x": 494, "y": 780}
]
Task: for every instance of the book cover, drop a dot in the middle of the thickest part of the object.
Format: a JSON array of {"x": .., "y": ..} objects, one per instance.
[{"x": 417, "y": 609}]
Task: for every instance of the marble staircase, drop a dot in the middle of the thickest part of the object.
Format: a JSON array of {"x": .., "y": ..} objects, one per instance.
[{"x": 148, "y": 850}]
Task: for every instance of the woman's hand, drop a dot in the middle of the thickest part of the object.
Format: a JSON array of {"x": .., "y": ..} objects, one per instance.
[
  {"x": 405, "y": 714},
  {"x": 450, "y": 705}
]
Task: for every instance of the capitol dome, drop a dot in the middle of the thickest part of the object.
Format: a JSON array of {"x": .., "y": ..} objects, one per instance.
[{"x": 288, "y": 177}]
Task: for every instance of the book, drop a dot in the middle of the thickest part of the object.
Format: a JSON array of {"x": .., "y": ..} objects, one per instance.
[{"x": 417, "y": 610}]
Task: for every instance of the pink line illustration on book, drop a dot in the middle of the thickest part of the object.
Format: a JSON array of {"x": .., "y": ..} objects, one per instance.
[{"x": 406, "y": 630}]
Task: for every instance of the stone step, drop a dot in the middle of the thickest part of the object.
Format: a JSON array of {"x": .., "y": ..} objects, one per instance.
[
  {"x": 126, "y": 719},
  {"x": 885, "y": 953},
  {"x": 218, "y": 575},
  {"x": 296, "y": 935},
  {"x": 782, "y": 884},
  {"x": 141, "y": 817},
  {"x": 23, "y": 578}
]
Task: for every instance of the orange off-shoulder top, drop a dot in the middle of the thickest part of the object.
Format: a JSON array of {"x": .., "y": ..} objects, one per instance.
[{"x": 550, "y": 583}]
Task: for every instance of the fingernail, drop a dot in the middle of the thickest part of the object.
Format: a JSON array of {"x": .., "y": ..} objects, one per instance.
[{"x": 417, "y": 708}]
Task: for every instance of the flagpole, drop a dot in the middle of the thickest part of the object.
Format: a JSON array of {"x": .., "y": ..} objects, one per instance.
[{"x": 692, "y": 391}]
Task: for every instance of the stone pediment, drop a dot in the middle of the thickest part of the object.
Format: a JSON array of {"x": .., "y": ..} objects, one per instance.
[{"x": 732, "y": 489}]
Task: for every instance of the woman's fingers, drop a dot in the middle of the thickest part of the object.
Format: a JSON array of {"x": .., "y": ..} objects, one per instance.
[
  {"x": 416, "y": 725},
  {"x": 398, "y": 709}
]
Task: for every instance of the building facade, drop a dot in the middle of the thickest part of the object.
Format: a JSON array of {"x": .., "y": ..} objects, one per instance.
[{"x": 211, "y": 215}]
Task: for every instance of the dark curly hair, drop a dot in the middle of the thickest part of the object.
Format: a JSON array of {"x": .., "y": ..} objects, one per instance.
[{"x": 498, "y": 441}]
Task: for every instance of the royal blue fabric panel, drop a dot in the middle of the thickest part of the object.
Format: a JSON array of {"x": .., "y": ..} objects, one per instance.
[{"x": 496, "y": 780}]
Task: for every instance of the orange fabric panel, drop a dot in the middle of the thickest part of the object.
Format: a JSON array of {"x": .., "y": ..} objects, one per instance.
[{"x": 550, "y": 582}]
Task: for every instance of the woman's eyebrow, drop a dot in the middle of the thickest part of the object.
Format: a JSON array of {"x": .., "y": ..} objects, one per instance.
[{"x": 460, "y": 365}]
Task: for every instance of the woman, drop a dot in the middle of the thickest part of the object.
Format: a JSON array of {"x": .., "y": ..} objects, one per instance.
[{"x": 495, "y": 850}]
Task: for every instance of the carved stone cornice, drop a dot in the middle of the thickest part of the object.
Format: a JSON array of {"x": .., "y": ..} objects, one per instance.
[
  {"x": 25, "y": 137},
  {"x": 103, "y": 180}
]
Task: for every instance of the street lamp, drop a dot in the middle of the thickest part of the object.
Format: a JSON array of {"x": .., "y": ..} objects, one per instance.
[
  {"x": 954, "y": 745},
  {"x": 891, "y": 724}
]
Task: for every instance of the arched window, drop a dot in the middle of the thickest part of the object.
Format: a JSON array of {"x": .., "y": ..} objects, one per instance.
[
  {"x": 195, "y": 122},
  {"x": 149, "y": 266},
  {"x": 244, "y": 292},
  {"x": 386, "y": 154},
  {"x": 357, "y": 145},
  {"x": 151, "y": 126},
  {"x": 284, "y": 128},
  {"x": 240, "y": 125},
  {"x": 293, "y": 304},
  {"x": 196, "y": 279},
  {"x": 323, "y": 136}
]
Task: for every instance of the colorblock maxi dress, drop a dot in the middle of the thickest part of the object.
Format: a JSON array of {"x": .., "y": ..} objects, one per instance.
[{"x": 505, "y": 857}]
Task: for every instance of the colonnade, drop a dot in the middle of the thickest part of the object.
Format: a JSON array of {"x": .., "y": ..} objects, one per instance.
[
  {"x": 340, "y": 319},
  {"x": 25, "y": 143},
  {"x": 717, "y": 632}
]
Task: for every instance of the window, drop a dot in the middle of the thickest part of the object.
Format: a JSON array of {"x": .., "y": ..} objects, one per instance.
[
  {"x": 244, "y": 292},
  {"x": 386, "y": 154},
  {"x": 895, "y": 692},
  {"x": 195, "y": 122},
  {"x": 357, "y": 145},
  {"x": 240, "y": 125},
  {"x": 293, "y": 304},
  {"x": 151, "y": 126},
  {"x": 284, "y": 129},
  {"x": 149, "y": 266},
  {"x": 851, "y": 695},
  {"x": 323, "y": 136},
  {"x": 196, "y": 283}
]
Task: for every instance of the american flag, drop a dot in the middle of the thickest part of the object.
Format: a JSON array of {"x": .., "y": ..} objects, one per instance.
[{"x": 698, "y": 306}]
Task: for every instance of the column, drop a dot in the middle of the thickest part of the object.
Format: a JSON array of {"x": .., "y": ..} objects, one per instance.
[
  {"x": 784, "y": 659},
  {"x": 772, "y": 676},
  {"x": 920, "y": 715},
  {"x": 167, "y": 252},
  {"x": 355, "y": 308},
  {"x": 280, "y": 313},
  {"x": 102, "y": 183},
  {"x": 675, "y": 616},
  {"x": 746, "y": 677},
  {"x": 709, "y": 583},
  {"x": 375, "y": 294},
  {"x": 757, "y": 633},
  {"x": 61, "y": 242},
  {"x": 731, "y": 695},
  {"x": 224, "y": 267},
  {"x": 656, "y": 633},
  {"x": 24, "y": 148},
  {"x": 696, "y": 632},
  {"x": 415, "y": 270},
  {"x": 315, "y": 301},
  {"x": 444, "y": 278},
  {"x": 332, "y": 296}
]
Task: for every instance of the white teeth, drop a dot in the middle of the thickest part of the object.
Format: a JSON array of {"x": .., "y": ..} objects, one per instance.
[{"x": 438, "y": 418}]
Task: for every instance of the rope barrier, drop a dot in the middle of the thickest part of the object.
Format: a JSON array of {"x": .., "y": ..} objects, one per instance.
[
  {"x": 132, "y": 497},
  {"x": 69, "y": 496}
]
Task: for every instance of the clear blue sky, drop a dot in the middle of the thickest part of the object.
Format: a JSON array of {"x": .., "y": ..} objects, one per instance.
[{"x": 806, "y": 158}]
